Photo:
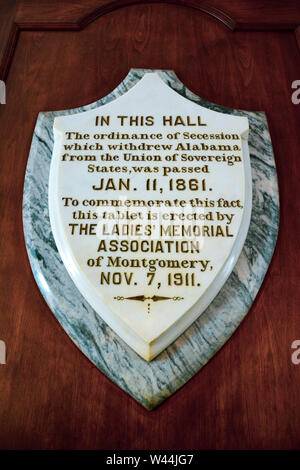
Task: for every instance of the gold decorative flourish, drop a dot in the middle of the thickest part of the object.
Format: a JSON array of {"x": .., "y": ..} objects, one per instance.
[{"x": 143, "y": 298}]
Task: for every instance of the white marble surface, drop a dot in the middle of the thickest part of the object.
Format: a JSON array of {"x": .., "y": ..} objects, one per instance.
[
  {"x": 91, "y": 235},
  {"x": 151, "y": 383}
]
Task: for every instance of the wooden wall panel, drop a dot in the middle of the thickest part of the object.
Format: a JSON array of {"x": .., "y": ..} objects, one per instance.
[{"x": 52, "y": 397}]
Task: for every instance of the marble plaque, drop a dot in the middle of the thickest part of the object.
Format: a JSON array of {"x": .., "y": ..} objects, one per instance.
[
  {"x": 150, "y": 203},
  {"x": 125, "y": 286}
]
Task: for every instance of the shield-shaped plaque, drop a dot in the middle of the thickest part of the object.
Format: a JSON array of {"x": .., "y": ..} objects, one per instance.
[
  {"x": 150, "y": 194},
  {"x": 150, "y": 203}
]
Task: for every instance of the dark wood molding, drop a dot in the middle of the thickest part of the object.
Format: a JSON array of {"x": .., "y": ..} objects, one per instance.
[
  {"x": 81, "y": 23},
  {"x": 9, "y": 51}
]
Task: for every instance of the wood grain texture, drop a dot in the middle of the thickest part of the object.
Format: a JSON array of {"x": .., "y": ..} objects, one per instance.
[
  {"x": 278, "y": 19},
  {"x": 52, "y": 397},
  {"x": 267, "y": 11},
  {"x": 7, "y": 14},
  {"x": 7, "y": 17}
]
